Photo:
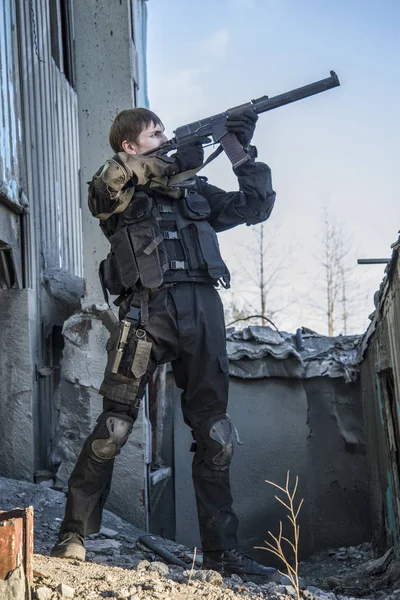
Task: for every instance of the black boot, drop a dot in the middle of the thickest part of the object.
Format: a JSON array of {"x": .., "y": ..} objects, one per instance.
[{"x": 229, "y": 562}]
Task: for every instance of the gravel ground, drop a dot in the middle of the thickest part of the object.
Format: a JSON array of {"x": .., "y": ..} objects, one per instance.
[{"x": 120, "y": 567}]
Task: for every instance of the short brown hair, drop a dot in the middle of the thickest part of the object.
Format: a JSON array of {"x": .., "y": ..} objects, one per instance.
[{"x": 129, "y": 124}]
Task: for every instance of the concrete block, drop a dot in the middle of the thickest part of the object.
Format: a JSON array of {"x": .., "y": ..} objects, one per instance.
[
  {"x": 64, "y": 287},
  {"x": 14, "y": 587}
]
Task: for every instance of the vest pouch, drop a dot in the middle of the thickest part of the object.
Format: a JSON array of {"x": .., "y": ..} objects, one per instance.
[
  {"x": 109, "y": 275},
  {"x": 210, "y": 250},
  {"x": 125, "y": 257},
  {"x": 145, "y": 241},
  {"x": 194, "y": 206},
  {"x": 192, "y": 249},
  {"x": 139, "y": 208}
]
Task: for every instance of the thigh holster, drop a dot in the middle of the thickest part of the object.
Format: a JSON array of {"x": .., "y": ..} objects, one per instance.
[{"x": 128, "y": 364}]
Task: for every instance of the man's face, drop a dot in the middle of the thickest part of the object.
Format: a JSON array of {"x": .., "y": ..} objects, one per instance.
[{"x": 150, "y": 138}]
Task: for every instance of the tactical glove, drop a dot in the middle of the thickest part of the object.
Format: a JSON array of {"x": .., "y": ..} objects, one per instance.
[
  {"x": 242, "y": 125},
  {"x": 190, "y": 156}
]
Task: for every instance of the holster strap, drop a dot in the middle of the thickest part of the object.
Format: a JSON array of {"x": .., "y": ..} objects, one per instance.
[{"x": 144, "y": 306}]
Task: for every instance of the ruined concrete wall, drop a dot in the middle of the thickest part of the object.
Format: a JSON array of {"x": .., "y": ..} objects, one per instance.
[
  {"x": 77, "y": 399},
  {"x": 313, "y": 428},
  {"x": 106, "y": 63},
  {"x": 380, "y": 379},
  {"x": 337, "y": 499},
  {"x": 17, "y": 372}
]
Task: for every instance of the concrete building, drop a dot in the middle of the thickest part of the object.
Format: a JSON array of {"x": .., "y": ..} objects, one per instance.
[{"x": 67, "y": 68}]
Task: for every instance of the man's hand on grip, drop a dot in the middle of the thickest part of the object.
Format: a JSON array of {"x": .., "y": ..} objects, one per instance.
[{"x": 242, "y": 125}]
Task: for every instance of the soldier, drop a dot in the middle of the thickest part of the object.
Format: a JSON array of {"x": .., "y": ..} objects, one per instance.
[{"x": 164, "y": 265}]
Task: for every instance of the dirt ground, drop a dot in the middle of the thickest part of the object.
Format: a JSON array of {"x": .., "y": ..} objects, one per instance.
[{"x": 119, "y": 566}]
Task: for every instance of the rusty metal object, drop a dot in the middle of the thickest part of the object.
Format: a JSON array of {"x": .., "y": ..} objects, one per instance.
[{"x": 16, "y": 545}]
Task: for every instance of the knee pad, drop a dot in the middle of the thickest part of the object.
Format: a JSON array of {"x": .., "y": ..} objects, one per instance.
[
  {"x": 110, "y": 435},
  {"x": 216, "y": 443}
]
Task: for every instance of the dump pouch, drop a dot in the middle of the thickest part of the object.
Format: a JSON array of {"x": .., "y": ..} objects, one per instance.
[{"x": 121, "y": 246}]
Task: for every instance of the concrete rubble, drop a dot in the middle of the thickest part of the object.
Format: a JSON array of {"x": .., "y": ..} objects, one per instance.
[
  {"x": 118, "y": 566},
  {"x": 256, "y": 352}
]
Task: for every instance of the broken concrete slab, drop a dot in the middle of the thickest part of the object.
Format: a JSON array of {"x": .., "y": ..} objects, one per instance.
[
  {"x": 63, "y": 286},
  {"x": 14, "y": 586},
  {"x": 102, "y": 545},
  {"x": 379, "y": 565}
]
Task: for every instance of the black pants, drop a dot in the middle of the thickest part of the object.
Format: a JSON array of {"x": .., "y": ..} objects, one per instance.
[{"x": 186, "y": 326}]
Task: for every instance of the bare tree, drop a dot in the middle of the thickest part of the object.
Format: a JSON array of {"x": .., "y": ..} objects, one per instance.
[
  {"x": 335, "y": 264},
  {"x": 262, "y": 265}
]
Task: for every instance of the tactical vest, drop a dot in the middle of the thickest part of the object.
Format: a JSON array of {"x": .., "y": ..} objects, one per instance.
[{"x": 159, "y": 239}]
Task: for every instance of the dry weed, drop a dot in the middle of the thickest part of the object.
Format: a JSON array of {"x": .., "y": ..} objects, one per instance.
[{"x": 276, "y": 546}]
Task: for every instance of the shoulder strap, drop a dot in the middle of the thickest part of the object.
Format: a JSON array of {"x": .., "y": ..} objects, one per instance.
[{"x": 187, "y": 174}]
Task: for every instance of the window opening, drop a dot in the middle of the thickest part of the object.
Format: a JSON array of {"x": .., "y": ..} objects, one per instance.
[
  {"x": 61, "y": 35},
  {"x": 7, "y": 271},
  {"x": 49, "y": 379}
]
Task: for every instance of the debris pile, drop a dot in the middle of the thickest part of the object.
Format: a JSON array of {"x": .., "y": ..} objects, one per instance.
[{"x": 121, "y": 567}]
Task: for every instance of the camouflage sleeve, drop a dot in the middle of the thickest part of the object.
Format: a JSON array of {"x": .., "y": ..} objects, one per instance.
[{"x": 114, "y": 183}]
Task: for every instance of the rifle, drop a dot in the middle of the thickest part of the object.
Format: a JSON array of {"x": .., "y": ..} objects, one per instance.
[{"x": 214, "y": 126}]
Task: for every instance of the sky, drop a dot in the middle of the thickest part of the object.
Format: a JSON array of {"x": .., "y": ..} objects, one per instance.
[{"x": 337, "y": 151}]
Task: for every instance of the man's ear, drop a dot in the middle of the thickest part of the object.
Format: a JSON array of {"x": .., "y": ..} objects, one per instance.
[{"x": 129, "y": 147}]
